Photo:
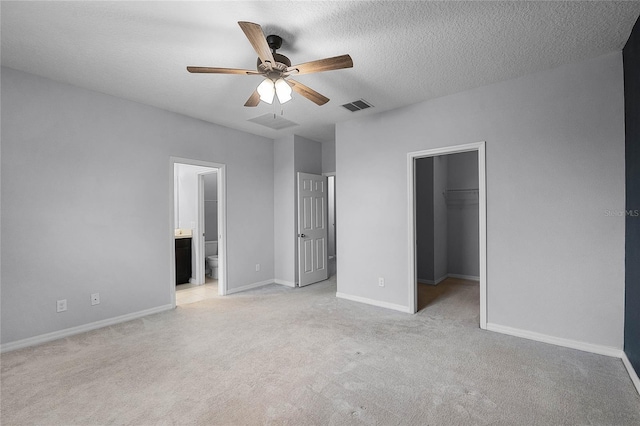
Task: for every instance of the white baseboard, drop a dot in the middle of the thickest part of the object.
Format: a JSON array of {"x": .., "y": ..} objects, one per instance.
[
  {"x": 55, "y": 335},
  {"x": 632, "y": 372},
  {"x": 283, "y": 282},
  {"x": 249, "y": 286},
  {"x": 439, "y": 280},
  {"x": 374, "y": 302},
  {"x": 464, "y": 277},
  {"x": 432, "y": 282},
  {"x": 573, "y": 344},
  {"x": 559, "y": 341},
  {"x": 442, "y": 278}
]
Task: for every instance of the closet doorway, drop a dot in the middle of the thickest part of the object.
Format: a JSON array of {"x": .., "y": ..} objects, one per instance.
[{"x": 447, "y": 235}]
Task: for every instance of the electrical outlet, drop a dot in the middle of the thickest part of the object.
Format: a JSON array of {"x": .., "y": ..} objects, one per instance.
[
  {"x": 257, "y": 267},
  {"x": 95, "y": 299},
  {"x": 61, "y": 305},
  {"x": 381, "y": 281}
]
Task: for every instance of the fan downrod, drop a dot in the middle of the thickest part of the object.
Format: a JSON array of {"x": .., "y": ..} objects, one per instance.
[{"x": 274, "y": 42}]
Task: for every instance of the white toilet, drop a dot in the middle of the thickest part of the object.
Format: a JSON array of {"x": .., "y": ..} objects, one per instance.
[{"x": 211, "y": 253}]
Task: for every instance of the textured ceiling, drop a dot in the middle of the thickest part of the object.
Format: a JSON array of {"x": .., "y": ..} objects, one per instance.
[{"x": 403, "y": 52}]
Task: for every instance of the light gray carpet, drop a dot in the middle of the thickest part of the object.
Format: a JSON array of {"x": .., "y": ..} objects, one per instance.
[{"x": 277, "y": 355}]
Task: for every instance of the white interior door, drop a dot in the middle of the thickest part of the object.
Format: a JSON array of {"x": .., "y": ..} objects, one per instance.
[{"x": 312, "y": 229}]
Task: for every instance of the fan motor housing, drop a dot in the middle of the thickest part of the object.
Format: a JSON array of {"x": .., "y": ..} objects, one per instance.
[{"x": 282, "y": 62}]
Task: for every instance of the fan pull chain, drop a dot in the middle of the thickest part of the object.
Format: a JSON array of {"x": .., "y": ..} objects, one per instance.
[{"x": 275, "y": 115}]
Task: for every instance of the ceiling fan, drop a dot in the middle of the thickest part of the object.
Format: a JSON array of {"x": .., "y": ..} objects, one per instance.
[{"x": 277, "y": 69}]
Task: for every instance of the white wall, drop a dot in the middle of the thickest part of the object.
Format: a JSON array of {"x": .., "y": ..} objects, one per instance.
[
  {"x": 86, "y": 203},
  {"x": 555, "y": 162},
  {"x": 187, "y": 195},
  {"x": 211, "y": 206}
]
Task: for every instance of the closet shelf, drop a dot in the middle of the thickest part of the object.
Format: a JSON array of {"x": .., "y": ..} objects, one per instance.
[{"x": 461, "y": 196}]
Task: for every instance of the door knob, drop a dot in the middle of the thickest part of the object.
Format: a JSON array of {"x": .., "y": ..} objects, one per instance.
[{"x": 301, "y": 235}]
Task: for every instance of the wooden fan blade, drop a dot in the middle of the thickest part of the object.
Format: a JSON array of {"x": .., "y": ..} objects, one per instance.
[
  {"x": 258, "y": 40},
  {"x": 308, "y": 93},
  {"x": 327, "y": 64},
  {"x": 253, "y": 100},
  {"x": 215, "y": 70}
]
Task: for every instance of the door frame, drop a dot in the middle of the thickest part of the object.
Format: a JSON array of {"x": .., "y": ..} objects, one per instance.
[
  {"x": 222, "y": 224},
  {"x": 482, "y": 210}
]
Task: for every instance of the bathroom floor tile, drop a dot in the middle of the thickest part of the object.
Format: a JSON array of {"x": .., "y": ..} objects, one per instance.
[{"x": 191, "y": 293}]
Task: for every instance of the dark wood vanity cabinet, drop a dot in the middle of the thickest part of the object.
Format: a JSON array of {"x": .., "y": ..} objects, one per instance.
[{"x": 183, "y": 260}]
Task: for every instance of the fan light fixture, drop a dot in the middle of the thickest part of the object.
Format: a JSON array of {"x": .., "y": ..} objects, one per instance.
[
  {"x": 267, "y": 89},
  {"x": 283, "y": 90}
]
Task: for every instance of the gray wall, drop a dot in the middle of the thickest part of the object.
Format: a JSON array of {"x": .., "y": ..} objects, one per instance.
[
  {"x": 329, "y": 157},
  {"x": 292, "y": 154},
  {"x": 462, "y": 216},
  {"x": 86, "y": 202},
  {"x": 308, "y": 155},
  {"x": 424, "y": 220},
  {"x": 555, "y": 163},
  {"x": 440, "y": 218},
  {"x": 284, "y": 246}
]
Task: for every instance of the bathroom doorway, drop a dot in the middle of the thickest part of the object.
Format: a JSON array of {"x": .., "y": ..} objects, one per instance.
[
  {"x": 198, "y": 252},
  {"x": 447, "y": 228}
]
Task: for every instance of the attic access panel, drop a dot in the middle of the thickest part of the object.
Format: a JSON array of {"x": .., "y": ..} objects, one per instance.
[{"x": 273, "y": 121}]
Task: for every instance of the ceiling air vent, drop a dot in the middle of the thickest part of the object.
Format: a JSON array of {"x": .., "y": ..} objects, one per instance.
[
  {"x": 273, "y": 121},
  {"x": 357, "y": 105}
]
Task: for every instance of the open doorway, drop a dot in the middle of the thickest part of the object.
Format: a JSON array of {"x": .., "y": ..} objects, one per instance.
[
  {"x": 331, "y": 220},
  {"x": 447, "y": 235},
  {"x": 198, "y": 252}
]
